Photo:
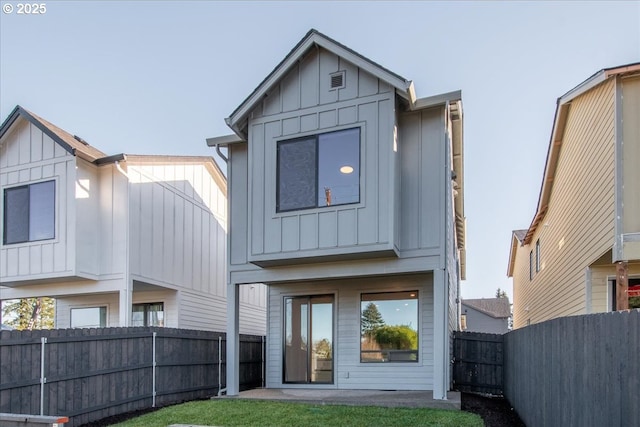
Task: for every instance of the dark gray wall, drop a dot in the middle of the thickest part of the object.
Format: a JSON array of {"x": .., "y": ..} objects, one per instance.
[{"x": 576, "y": 371}]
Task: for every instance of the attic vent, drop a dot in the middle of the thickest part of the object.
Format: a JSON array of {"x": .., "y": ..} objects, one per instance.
[
  {"x": 337, "y": 80},
  {"x": 77, "y": 138}
]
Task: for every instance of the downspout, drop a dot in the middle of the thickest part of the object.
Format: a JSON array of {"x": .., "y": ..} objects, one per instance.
[{"x": 126, "y": 250}]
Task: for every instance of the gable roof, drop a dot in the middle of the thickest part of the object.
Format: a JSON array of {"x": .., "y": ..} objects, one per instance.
[
  {"x": 404, "y": 88},
  {"x": 497, "y": 308},
  {"x": 73, "y": 144},
  {"x": 517, "y": 237},
  {"x": 557, "y": 133}
]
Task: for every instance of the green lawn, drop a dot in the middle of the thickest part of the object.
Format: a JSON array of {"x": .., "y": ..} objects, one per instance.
[{"x": 235, "y": 412}]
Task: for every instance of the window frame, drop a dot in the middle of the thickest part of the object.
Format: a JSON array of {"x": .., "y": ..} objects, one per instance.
[
  {"x": 106, "y": 316},
  {"x": 538, "y": 256},
  {"x": 316, "y": 136},
  {"x": 5, "y": 218},
  {"x": 531, "y": 265},
  {"x": 417, "y": 330},
  {"x": 146, "y": 312}
]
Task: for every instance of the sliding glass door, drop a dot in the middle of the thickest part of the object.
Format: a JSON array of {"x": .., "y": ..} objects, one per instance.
[{"x": 308, "y": 335}]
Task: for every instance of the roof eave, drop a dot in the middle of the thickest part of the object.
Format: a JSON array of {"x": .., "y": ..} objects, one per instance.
[{"x": 403, "y": 86}]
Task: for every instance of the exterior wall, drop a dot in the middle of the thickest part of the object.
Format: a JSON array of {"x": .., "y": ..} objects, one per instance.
[
  {"x": 178, "y": 227},
  {"x": 477, "y": 321},
  {"x": 349, "y": 372},
  {"x": 27, "y": 156},
  {"x": 601, "y": 277},
  {"x": 630, "y": 126},
  {"x": 422, "y": 147},
  {"x": 303, "y": 104},
  {"x": 579, "y": 225}
]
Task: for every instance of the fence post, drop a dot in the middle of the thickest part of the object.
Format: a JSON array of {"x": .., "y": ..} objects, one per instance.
[
  {"x": 43, "y": 341},
  {"x": 153, "y": 398}
]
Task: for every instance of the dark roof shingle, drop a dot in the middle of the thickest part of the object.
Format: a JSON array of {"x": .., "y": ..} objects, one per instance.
[{"x": 494, "y": 307}]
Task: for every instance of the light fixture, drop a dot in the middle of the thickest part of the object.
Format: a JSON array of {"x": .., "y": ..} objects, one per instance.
[{"x": 346, "y": 169}]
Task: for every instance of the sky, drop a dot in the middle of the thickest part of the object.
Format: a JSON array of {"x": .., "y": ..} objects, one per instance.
[{"x": 145, "y": 77}]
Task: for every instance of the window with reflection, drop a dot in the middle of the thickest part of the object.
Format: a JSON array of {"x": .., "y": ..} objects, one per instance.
[
  {"x": 147, "y": 314},
  {"x": 89, "y": 317},
  {"x": 29, "y": 213},
  {"x": 319, "y": 170},
  {"x": 389, "y": 327}
]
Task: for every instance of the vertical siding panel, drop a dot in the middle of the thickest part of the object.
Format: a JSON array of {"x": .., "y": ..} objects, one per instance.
[
  {"x": 35, "y": 259},
  {"x": 290, "y": 233},
  {"x": 146, "y": 227},
  {"x": 368, "y": 221},
  {"x": 273, "y": 102},
  {"x": 23, "y": 261},
  {"x": 47, "y": 258},
  {"x": 328, "y": 65},
  {"x": 347, "y": 227},
  {"x": 367, "y": 84},
  {"x": 327, "y": 229},
  {"x": 36, "y": 145},
  {"x": 47, "y": 147},
  {"x": 290, "y": 87},
  {"x": 196, "y": 260},
  {"x": 187, "y": 258},
  {"x": 384, "y": 145},
  {"x": 238, "y": 173},
  {"x": 410, "y": 145},
  {"x": 179, "y": 227},
  {"x": 257, "y": 189},
  {"x": 432, "y": 168},
  {"x": 168, "y": 243},
  {"x": 158, "y": 230},
  {"x": 350, "y": 90},
  {"x": 24, "y": 144},
  {"x": 309, "y": 81},
  {"x": 309, "y": 240}
]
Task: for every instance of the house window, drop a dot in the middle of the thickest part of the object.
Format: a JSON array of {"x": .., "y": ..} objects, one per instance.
[
  {"x": 389, "y": 327},
  {"x": 537, "y": 255},
  {"x": 319, "y": 170},
  {"x": 531, "y": 265},
  {"x": 148, "y": 314},
  {"x": 29, "y": 213},
  {"x": 89, "y": 317}
]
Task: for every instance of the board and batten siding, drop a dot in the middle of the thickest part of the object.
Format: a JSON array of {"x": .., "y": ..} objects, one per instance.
[
  {"x": 303, "y": 104},
  {"x": 178, "y": 227},
  {"x": 578, "y": 228},
  {"x": 349, "y": 372},
  {"x": 27, "y": 155},
  {"x": 421, "y": 143}
]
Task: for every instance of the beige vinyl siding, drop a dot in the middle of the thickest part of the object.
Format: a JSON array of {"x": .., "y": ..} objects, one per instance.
[
  {"x": 579, "y": 225},
  {"x": 631, "y": 157}
]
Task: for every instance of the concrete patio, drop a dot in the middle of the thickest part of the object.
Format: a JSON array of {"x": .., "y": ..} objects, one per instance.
[{"x": 386, "y": 398}]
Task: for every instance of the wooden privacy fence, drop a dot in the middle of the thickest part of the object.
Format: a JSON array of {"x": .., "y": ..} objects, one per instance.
[
  {"x": 90, "y": 374},
  {"x": 478, "y": 362},
  {"x": 576, "y": 371}
]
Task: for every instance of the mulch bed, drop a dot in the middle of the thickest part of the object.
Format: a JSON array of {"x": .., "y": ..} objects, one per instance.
[{"x": 495, "y": 411}]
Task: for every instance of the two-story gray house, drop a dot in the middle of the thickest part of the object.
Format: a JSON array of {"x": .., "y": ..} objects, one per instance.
[{"x": 346, "y": 199}]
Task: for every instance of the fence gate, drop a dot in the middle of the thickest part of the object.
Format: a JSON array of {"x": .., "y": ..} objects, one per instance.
[{"x": 478, "y": 362}]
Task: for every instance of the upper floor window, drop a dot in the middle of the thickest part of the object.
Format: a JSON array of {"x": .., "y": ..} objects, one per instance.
[
  {"x": 29, "y": 212},
  {"x": 537, "y": 255},
  {"x": 319, "y": 170},
  {"x": 531, "y": 265}
]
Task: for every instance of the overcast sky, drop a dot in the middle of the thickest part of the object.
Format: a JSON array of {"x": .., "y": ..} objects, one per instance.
[{"x": 144, "y": 77}]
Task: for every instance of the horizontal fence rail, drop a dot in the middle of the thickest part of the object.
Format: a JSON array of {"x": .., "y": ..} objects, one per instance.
[{"x": 90, "y": 374}]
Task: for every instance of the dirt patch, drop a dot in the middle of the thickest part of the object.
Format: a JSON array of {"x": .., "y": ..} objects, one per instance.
[{"x": 495, "y": 411}]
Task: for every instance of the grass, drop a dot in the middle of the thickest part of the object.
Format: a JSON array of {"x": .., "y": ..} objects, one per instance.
[{"x": 236, "y": 412}]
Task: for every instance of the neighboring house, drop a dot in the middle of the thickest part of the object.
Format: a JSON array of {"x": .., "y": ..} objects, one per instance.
[
  {"x": 117, "y": 240},
  {"x": 581, "y": 253},
  {"x": 346, "y": 199},
  {"x": 488, "y": 315}
]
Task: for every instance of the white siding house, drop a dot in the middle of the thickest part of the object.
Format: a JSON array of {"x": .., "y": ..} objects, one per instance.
[
  {"x": 346, "y": 199},
  {"x": 121, "y": 240}
]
